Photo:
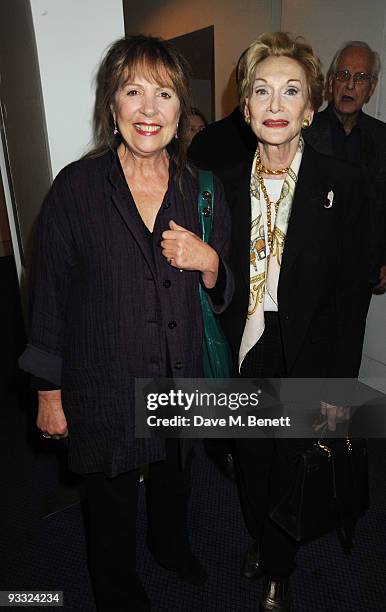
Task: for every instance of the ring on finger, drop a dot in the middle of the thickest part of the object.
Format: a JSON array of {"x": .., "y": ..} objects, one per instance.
[{"x": 48, "y": 436}]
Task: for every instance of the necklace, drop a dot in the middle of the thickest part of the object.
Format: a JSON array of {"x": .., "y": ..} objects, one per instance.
[
  {"x": 268, "y": 203},
  {"x": 263, "y": 170}
]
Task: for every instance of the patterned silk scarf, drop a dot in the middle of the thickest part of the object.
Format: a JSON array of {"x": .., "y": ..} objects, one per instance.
[{"x": 263, "y": 273}]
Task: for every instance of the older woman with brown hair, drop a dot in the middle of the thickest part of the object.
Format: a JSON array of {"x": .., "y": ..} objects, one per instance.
[
  {"x": 115, "y": 295},
  {"x": 300, "y": 263}
]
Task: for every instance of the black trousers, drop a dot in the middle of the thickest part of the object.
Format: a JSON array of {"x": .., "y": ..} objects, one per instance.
[
  {"x": 110, "y": 525},
  {"x": 265, "y": 466}
]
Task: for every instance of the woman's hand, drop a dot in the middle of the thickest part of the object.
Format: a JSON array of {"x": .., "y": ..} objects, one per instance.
[
  {"x": 381, "y": 287},
  {"x": 51, "y": 420},
  {"x": 331, "y": 415},
  {"x": 186, "y": 251}
]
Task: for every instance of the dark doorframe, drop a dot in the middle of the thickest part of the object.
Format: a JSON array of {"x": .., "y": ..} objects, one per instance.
[{"x": 198, "y": 48}]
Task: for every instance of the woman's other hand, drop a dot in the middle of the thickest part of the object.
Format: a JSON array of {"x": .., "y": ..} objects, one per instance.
[
  {"x": 331, "y": 415},
  {"x": 51, "y": 419},
  {"x": 186, "y": 251},
  {"x": 381, "y": 287}
]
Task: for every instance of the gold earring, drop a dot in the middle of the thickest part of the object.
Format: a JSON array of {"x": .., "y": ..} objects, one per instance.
[
  {"x": 305, "y": 124},
  {"x": 247, "y": 119}
]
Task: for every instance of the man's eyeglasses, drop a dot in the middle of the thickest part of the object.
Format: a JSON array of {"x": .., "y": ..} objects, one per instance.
[{"x": 359, "y": 77}]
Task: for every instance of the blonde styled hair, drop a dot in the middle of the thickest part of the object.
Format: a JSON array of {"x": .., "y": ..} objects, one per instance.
[{"x": 281, "y": 44}]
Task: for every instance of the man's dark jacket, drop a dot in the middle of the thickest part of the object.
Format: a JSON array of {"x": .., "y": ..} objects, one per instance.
[{"x": 373, "y": 154}]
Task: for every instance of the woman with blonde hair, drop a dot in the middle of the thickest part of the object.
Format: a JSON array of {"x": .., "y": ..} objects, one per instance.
[{"x": 299, "y": 263}]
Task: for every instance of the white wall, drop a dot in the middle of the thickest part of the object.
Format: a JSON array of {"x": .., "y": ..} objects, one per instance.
[
  {"x": 373, "y": 368},
  {"x": 236, "y": 24},
  {"x": 382, "y": 82},
  {"x": 71, "y": 36}
]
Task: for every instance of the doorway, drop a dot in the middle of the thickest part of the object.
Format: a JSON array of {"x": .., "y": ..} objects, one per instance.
[{"x": 198, "y": 48}]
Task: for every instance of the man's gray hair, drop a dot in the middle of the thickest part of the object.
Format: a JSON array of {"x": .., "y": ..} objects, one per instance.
[{"x": 376, "y": 62}]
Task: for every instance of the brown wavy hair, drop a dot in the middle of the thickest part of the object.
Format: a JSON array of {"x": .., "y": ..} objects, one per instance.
[
  {"x": 281, "y": 44},
  {"x": 158, "y": 61}
]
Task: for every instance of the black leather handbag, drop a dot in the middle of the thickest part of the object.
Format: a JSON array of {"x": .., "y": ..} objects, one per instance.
[{"x": 330, "y": 491}]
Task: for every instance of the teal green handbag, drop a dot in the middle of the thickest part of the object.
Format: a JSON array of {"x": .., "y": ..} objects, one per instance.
[{"x": 216, "y": 352}]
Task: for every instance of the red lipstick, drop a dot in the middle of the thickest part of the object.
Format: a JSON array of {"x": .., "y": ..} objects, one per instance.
[{"x": 275, "y": 123}]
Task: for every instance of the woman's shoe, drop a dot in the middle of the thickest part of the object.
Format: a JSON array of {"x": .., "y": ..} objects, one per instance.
[{"x": 276, "y": 596}]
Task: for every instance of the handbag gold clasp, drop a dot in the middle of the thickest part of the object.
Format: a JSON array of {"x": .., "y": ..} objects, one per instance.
[{"x": 326, "y": 448}]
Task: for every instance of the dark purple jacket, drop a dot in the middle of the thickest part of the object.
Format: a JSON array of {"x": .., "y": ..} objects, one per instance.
[{"x": 105, "y": 310}]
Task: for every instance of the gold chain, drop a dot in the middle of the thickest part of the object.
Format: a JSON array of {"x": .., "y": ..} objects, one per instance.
[
  {"x": 263, "y": 170},
  {"x": 268, "y": 203}
]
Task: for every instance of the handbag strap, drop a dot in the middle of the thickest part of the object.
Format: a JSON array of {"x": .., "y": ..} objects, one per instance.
[{"x": 205, "y": 203}]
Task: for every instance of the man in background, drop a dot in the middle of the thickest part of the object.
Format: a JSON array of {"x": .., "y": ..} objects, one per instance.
[{"x": 344, "y": 131}]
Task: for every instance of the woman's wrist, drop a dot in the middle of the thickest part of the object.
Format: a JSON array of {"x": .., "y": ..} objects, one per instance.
[
  {"x": 49, "y": 394},
  {"x": 210, "y": 273}
]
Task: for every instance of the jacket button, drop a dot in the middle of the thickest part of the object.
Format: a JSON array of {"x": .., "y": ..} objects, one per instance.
[
  {"x": 172, "y": 324},
  {"x": 178, "y": 365},
  {"x": 166, "y": 205},
  {"x": 166, "y": 283}
]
